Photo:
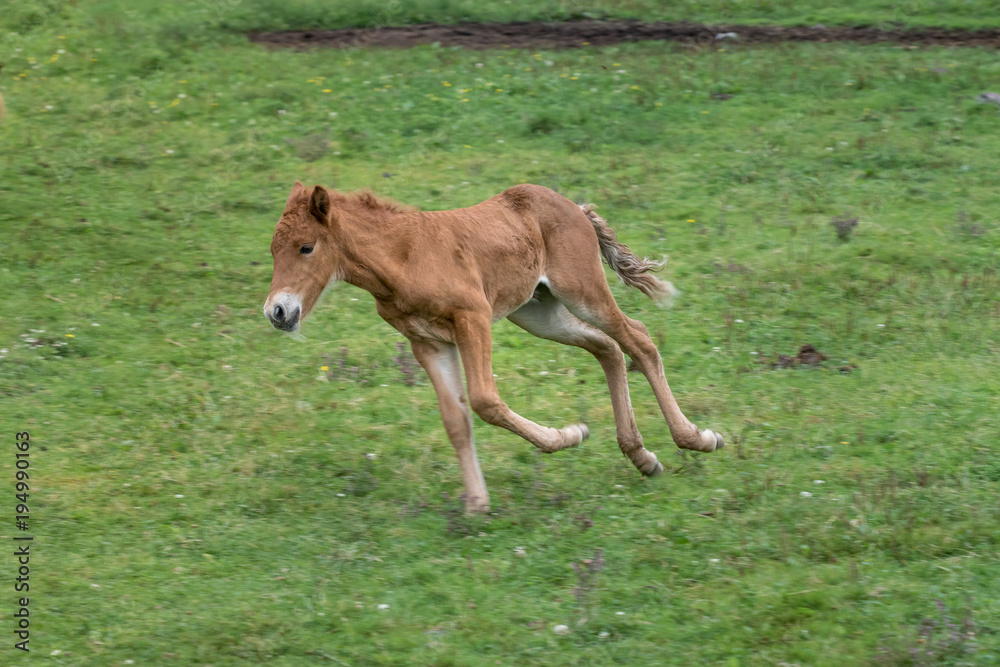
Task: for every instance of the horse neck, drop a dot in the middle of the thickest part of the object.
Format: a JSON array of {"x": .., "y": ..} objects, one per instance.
[{"x": 363, "y": 261}]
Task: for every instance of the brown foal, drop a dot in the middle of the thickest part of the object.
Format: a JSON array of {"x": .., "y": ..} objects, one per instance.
[{"x": 442, "y": 278}]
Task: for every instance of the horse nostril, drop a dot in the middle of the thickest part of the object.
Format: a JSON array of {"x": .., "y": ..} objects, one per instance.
[{"x": 279, "y": 314}]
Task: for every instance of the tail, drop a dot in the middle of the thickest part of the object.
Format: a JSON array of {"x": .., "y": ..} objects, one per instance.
[{"x": 631, "y": 270}]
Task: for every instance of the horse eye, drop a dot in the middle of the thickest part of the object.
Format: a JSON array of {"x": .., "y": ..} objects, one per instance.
[{"x": 306, "y": 249}]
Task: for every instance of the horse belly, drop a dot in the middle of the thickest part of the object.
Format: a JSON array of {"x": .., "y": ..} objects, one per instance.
[
  {"x": 517, "y": 292},
  {"x": 510, "y": 278}
]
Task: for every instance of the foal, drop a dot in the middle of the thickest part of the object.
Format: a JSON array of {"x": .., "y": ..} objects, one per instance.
[{"x": 442, "y": 278}]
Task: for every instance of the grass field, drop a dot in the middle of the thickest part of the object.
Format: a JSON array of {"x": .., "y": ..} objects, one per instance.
[{"x": 201, "y": 492}]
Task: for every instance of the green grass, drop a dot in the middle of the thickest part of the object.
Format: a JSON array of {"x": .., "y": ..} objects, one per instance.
[
  {"x": 187, "y": 19},
  {"x": 202, "y": 496},
  {"x": 276, "y": 15}
]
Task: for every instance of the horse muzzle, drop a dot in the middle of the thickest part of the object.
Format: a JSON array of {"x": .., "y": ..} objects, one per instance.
[{"x": 285, "y": 313}]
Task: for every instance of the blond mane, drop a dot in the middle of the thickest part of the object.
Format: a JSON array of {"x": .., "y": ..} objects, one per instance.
[
  {"x": 368, "y": 200},
  {"x": 363, "y": 201}
]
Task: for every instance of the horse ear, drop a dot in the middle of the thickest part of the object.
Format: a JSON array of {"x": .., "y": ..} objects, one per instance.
[
  {"x": 319, "y": 204},
  {"x": 297, "y": 189}
]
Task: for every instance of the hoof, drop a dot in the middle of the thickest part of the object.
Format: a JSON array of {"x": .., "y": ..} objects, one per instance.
[
  {"x": 476, "y": 505},
  {"x": 711, "y": 441},
  {"x": 719, "y": 442},
  {"x": 655, "y": 472},
  {"x": 565, "y": 437}
]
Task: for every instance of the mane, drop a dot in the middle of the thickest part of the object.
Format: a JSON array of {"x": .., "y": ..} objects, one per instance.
[{"x": 369, "y": 201}]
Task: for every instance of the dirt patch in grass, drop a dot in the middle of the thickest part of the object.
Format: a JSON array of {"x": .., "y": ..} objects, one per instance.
[
  {"x": 808, "y": 356},
  {"x": 577, "y": 34}
]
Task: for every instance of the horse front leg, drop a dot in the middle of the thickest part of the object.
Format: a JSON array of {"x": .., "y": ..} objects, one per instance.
[
  {"x": 472, "y": 333},
  {"x": 441, "y": 362}
]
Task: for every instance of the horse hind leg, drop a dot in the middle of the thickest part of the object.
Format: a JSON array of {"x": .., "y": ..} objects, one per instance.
[
  {"x": 585, "y": 293},
  {"x": 546, "y": 317}
]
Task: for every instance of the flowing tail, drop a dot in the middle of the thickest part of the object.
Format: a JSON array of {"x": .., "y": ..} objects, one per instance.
[{"x": 631, "y": 270}]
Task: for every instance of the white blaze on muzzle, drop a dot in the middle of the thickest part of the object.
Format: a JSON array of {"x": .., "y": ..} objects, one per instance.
[{"x": 284, "y": 310}]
